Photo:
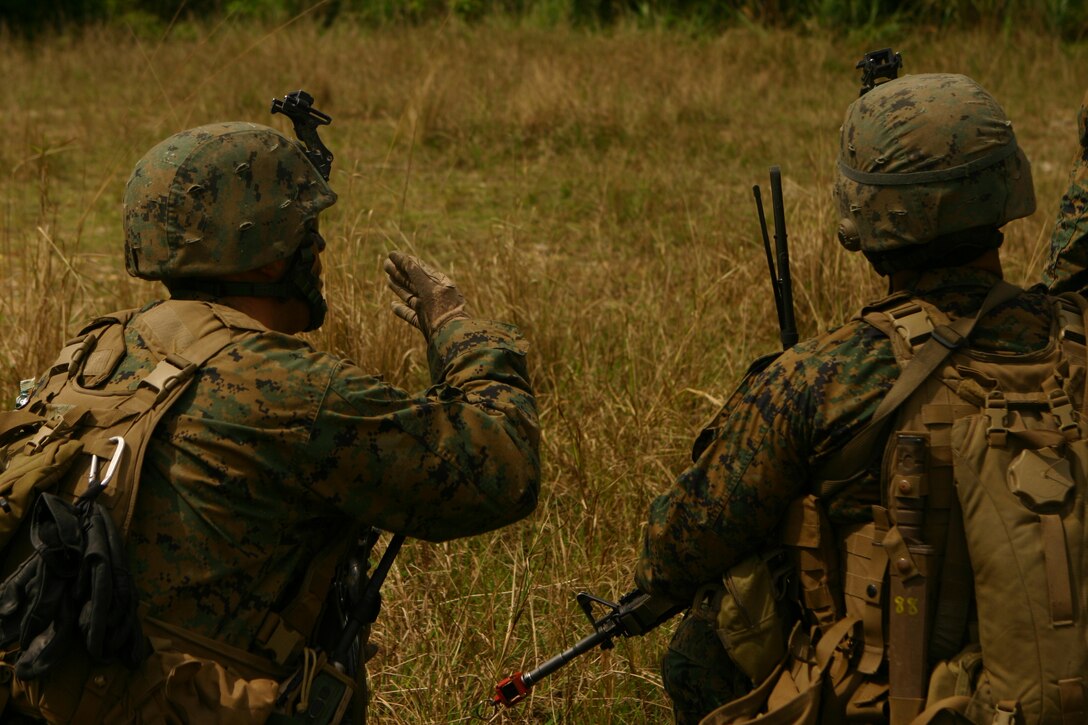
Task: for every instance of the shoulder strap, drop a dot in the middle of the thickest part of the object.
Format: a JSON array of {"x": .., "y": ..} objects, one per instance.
[
  {"x": 187, "y": 341},
  {"x": 943, "y": 341}
]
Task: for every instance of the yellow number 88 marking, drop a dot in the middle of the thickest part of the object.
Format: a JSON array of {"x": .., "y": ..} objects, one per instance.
[{"x": 906, "y": 605}]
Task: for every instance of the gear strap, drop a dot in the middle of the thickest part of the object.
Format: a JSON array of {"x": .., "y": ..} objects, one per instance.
[
  {"x": 944, "y": 340},
  {"x": 249, "y": 665}
]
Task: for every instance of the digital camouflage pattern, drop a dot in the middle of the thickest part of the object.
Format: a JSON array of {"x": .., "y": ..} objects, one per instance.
[
  {"x": 696, "y": 670},
  {"x": 1067, "y": 264},
  {"x": 277, "y": 450},
  {"x": 785, "y": 423},
  {"x": 926, "y": 156},
  {"x": 219, "y": 199}
]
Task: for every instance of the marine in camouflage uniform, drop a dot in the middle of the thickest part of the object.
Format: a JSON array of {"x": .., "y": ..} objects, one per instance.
[
  {"x": 936, "y": 237},
  {"x": 1067, "y": 265},
  {"x": 278, "y": 453}
]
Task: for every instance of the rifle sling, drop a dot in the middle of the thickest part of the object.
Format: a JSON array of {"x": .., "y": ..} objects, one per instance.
[{"x": 945, "y": 339}]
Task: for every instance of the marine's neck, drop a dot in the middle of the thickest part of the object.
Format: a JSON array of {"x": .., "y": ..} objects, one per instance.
[{"x": 988, "y": 261}]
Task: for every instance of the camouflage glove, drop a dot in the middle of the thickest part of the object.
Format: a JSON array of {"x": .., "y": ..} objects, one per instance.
[{"x": 428, "y": 299}]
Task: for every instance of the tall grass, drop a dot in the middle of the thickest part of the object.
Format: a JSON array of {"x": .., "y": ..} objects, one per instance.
[{"x": 593, "y": 188}]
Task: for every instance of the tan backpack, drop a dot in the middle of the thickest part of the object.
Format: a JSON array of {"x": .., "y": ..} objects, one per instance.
[
  {"x": 968, "y": 587},
  {"x": 70, "y": 432},
  {"x": 987, "y": 473},
  {"x": 70, "y": 458},
  {"x": 70, "y": 425}
]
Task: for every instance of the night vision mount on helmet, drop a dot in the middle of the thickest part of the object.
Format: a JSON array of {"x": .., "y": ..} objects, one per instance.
[{"x": 227, "y": 198}]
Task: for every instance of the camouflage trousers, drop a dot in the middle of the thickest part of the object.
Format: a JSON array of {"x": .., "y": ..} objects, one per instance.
[{"x": 698, "y": 674}]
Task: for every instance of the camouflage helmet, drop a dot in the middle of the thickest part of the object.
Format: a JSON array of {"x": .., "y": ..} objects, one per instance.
[
  {"x": 927, "y": 156},
  {"x": 219, "y": 199}
]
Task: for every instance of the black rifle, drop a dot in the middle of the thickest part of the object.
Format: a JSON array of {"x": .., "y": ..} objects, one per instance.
[
  {"x": 369, "y": 605},
  {"x": 299, "y": 107},
  {"x": 877, "y": 67},
  {"x": 637, "y": 612},
  {"x": 332, "y": 687},
  {"x": 634, "y": 615}
]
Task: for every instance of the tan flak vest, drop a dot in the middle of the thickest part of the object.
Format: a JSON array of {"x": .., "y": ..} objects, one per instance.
[
  {"x": 71, "y": 421},
  {"x": 966, "y": 594},
  {"x": 983, "y": 521}
]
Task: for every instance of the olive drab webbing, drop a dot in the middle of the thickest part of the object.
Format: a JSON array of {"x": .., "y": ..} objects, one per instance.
[{"x": 980, "y": 538}]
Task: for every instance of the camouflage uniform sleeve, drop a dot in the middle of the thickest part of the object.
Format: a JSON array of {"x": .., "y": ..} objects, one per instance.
[
  {"x": 459, "y": 459},
  {"x": 722, "y": 506},
  {"x": 776, "y": 428},
  {"x": 1067, "y": 263}
]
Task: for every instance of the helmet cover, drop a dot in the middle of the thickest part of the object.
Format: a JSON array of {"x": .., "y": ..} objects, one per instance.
[
  {"x": 927, "y": 156},
  {"x": 219, "y": 199}
]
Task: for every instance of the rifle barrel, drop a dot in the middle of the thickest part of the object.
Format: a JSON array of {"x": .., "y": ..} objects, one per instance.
[{"x": 533, "y": 676}]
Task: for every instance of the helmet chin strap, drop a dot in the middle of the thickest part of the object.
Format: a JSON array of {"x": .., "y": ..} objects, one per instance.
[
  {"x": 299, "y": 281},
  {"x": 305, "y": 283}
]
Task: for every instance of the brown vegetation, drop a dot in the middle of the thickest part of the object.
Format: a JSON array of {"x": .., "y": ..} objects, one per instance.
[{"x": 593, "y": 188}]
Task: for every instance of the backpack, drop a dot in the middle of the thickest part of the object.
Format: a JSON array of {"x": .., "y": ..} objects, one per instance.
[
  {"x": 986, "y": 476},
  {"x": 968, "y": 588},
  {"x": 70, "y": 458}
]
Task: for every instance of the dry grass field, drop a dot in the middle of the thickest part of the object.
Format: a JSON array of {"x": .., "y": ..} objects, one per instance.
[{"x": 595, "y": 189}]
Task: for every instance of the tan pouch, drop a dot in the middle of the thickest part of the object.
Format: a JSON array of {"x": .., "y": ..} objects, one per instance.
[
  {"x": 793, "y": 693},
  {"x": 750, "y": 623},
  {"x": 1025, "y": 524},
  {"x": 171, "y": 687},
  {"x": 27, "y": 474},
  {"x": 207, "y": 692}
]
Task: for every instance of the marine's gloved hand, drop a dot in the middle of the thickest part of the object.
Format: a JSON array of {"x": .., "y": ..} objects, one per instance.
[{"x": 428, "y": 299}]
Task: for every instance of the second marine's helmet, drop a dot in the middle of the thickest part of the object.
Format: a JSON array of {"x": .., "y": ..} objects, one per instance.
[
  {"x": 928, "y": 157},
  {"x": 222, "y": 199}
]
